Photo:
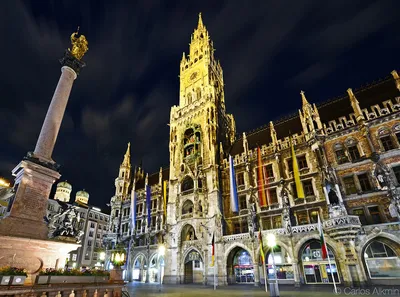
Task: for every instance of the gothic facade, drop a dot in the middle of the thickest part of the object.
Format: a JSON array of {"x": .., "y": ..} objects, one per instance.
[{"x": 348, "y": 154}]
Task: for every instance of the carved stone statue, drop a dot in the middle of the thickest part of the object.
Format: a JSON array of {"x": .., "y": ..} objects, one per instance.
[
  {"x": 65, "y": 223},
  {"x": 79, "y": 45}
]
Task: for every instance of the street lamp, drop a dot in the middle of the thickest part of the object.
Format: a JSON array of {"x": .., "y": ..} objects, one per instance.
[
  {"x": 274, "y": 287},
  {"x": 161, "y": 253}
]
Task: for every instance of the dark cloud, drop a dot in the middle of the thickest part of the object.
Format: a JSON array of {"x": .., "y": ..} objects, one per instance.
[{"x": 269, "y": 50}]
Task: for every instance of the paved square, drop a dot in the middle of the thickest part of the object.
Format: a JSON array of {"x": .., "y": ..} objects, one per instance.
[{"x": 150, "y": 290}]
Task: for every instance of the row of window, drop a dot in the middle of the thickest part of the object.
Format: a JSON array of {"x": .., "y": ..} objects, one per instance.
[
  {"x": 349, "y": 152},
  {"x": 268, "y": 171},
  {"x": 358, "y": 183},
  {"x": 369, "y": 215}
]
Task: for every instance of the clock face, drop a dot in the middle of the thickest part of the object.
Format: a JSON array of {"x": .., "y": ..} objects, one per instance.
[{"x": 193, "y": 76}]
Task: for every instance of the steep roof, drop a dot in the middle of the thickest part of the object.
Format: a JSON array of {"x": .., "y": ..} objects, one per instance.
[{"x": 371, "y": 94}]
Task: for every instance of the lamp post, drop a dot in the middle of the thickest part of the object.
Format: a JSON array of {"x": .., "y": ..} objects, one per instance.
[
  {"x": 161, "y": 253},
  {"x": 274, "y": 287},
  {"x": 118, "y": 259},
  {"x": 102, "y": 258}
]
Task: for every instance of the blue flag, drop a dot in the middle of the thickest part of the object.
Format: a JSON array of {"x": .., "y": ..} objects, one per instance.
[
  {"x": 234, "y": 196},
  {"x": 148, "y": 202},
  {"x": 133, "y": 211}
]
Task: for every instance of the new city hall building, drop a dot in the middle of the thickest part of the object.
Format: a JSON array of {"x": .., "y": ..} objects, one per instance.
[{"x": 348, "y": 155}]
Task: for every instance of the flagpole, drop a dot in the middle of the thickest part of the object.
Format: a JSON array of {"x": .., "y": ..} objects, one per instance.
[
  {"x": 327, "y": 253},
  {"x": 265, "y": 276},
  {"x": 215, "y": 267},
  {"x": 330, "y": 267}
]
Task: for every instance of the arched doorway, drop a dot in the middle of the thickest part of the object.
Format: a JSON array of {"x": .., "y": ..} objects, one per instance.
[
  {"x": 139, "y": 269},
  {"x": 240, "y": 267},
  {"x": 193, "y": 268},
  {"x": 315, "y": 269},
  {"x": 283, "y": 263},
  {"x": 382, "y": 261}
]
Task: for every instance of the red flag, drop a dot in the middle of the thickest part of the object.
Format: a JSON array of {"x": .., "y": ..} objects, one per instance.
[{"x": 260, "y": 179}]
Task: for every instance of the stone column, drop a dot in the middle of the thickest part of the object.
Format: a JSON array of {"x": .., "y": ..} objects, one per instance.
[{"x": 55, "y": 113}]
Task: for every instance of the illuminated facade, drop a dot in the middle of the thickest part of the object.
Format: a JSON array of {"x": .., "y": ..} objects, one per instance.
[
  {"x": 93, "y": 222},
  {"x": 349, "y": 162}
]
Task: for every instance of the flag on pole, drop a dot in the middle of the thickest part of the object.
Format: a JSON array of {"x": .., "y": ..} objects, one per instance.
[
  {"x": 323, "y": 244},
  {"x": 296, "y": 173},
  {"x": 133, "y": 210},
  {"x": 212, "y": 251},
  {"x": 260, "y": 238},
  {"x": 234, "y": 196},
  {"x": 260, "y": 180},
  {"x": 165, "y": 198},
  {"x": 148, "y": 204}
]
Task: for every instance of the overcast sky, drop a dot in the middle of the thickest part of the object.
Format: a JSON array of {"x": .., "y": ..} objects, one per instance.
[{"x": 269, "y": 51}]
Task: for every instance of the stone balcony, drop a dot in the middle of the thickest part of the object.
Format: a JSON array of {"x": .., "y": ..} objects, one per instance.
[
  {"x": 188, "y": 243},
  {"x": 342, "y": 228}
]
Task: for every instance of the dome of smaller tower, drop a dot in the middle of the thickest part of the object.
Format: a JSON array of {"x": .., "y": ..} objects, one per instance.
[
  {"x": 82, "y": 197},
  {"x": 64, "y": 184},
  {"x": 82, "y": 193}
]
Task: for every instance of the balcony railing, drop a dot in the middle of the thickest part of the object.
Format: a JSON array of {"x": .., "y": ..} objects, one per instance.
[
  {"x": 389, "y": 227},
  {"x": 187, "y": 216}
]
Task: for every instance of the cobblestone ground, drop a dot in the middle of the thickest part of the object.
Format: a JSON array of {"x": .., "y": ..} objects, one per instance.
[{"x": 150, "y": 290}]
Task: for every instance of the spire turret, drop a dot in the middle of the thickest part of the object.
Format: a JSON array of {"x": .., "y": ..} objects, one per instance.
[
  {"x": 396, "y": 78},
  {"x": 273, "y": 134},
  {"x": 127, "y": 156},
  {"x": 355, "y": 105},
  {"x": 200, "y": 24},
  {"x": 303, "y": 98}
]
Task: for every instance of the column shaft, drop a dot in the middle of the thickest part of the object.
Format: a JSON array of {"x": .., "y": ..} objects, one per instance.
[{"x": 51, "y": 126}]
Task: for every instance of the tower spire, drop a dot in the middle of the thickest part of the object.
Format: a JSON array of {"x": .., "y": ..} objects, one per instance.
[
  {"x": 200, "y": 24},
  {"x": 303, "y": 98},
  {"x": 127, "y": 156},
  {"x": 355, "y": 105}
]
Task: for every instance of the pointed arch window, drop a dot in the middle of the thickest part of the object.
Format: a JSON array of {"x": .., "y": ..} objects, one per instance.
[{"x": 187, "y": 186}]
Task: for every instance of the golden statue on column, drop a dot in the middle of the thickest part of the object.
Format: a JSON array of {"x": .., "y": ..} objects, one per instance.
[{"x": 79, "y": 45}]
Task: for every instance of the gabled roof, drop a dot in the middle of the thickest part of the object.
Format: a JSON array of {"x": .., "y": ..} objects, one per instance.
[{"x": 371, "y": 94}]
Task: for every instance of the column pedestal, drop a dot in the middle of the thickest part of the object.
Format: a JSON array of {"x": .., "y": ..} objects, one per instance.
[{"x": 25, "y": 216}]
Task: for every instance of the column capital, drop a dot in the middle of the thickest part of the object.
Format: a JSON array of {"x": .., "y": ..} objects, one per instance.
[{"x": 69, "y": 60}]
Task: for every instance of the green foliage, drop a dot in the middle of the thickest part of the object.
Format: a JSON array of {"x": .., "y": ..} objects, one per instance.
[
  {"x": 8, "y": 270},
  {"x": 74, "y": 272}
]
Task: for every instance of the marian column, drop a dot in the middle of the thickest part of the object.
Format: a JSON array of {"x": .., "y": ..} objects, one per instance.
[{"x": 36, "y": 173}]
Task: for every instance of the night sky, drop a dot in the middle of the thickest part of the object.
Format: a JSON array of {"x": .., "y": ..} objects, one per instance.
[{"x": 269, "y": 51}]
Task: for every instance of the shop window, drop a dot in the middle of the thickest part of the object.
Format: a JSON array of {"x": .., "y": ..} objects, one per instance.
[
  {"x": 308, "y": 188},
  {"x": 240, "y": 178},
  {"x": 349, "y": 185},
  {"x": 375, "y": 215},
  {"x": 361, "y": 215},
  {"x": 242, "y": 202},
  {"x": 387, "y": 143},
  {"x": 381, "y": 261},
  {"x": 364, "y": 182},
  {"x": 396, "y": 171},
  {"x": 284, "y": 267},
  {"x": 354, "y": 153}
]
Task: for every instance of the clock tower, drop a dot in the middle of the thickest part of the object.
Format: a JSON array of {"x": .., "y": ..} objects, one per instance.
[{"x": 200, "y": 131}]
